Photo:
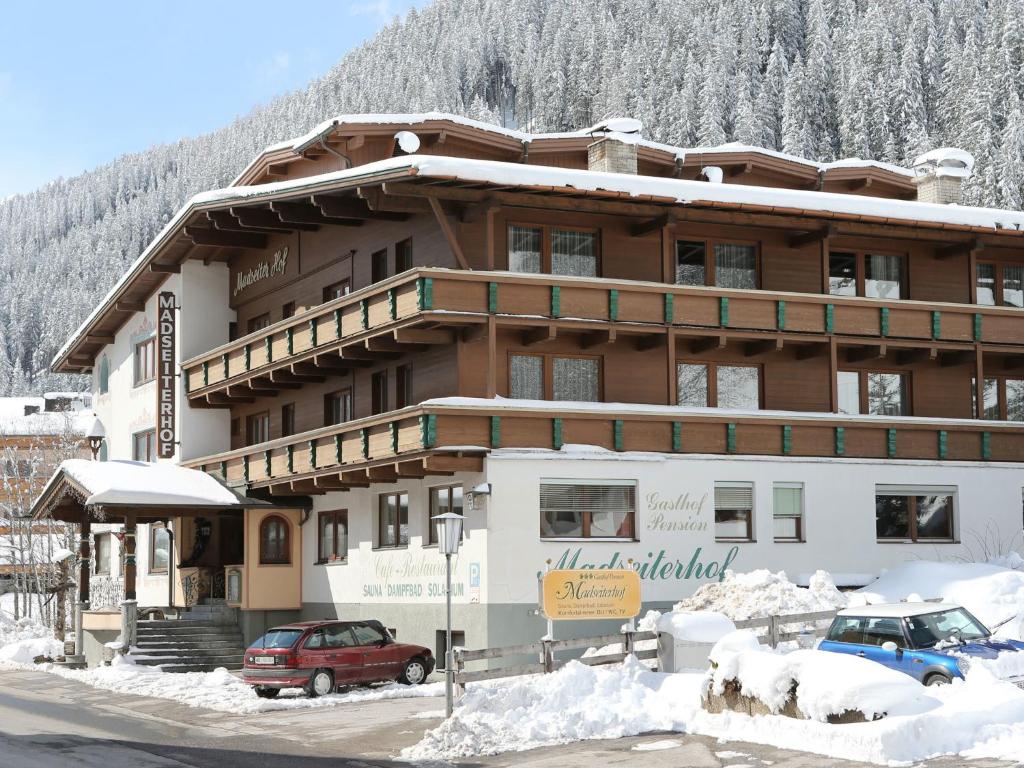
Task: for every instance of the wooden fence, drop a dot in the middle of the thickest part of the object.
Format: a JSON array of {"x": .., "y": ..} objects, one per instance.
[{"x": 773, "y": 626}]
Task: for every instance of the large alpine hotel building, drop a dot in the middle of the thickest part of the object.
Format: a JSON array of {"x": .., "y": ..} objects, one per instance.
[{"x": 596, "y": 347}]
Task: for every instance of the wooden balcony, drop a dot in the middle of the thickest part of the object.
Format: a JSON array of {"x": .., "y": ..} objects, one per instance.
[
  {"x": 447, "y": 436},
  {"x": 425, "y": 307}
]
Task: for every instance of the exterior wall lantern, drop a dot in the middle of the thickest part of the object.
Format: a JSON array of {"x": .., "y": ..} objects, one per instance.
[{"x": 96, "y": 435}]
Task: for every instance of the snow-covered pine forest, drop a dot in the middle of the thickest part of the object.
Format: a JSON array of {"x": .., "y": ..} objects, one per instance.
[{"x": 820, "y": 78}]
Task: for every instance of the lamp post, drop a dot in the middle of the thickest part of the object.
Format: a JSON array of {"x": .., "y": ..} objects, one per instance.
[
  {"x": 449, "y": 536},
  {"x": 96, "y": 434}
]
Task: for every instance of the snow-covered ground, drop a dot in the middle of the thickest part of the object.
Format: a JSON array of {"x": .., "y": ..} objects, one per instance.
[{"x": 23, "y": 640}]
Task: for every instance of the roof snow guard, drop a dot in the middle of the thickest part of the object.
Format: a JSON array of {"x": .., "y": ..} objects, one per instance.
[{"x": 150, "y": 491}]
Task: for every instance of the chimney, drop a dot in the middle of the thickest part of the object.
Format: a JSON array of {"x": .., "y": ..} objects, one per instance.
[
  {"x": 614, "y": 148},
  {"x": 939, "y": 174}
]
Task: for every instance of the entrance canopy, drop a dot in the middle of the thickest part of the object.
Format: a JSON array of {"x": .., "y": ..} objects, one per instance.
[{"x": 113, "y": 490}]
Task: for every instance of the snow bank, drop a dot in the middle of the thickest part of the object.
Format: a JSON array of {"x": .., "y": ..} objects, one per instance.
[
  {"x": 990, "y": 592},
  {"x": 762, "y": 593},
  {"x": 23, "y": 640},
  {"x": 696, "y": 626}
]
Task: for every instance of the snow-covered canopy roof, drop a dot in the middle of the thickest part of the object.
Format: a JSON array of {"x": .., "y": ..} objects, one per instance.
[{"x": 136, "y": 484}]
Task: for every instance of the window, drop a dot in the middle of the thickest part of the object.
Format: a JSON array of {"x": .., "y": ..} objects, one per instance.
[
  {"x": 378, "y": 266},
  {"x": 403, "y": 386},
  {"x": 102, "y": 555},
  {"x": 545, "y": 377},
  {"x": 338, "y": 407},
  {"x": 1003, "y": 398},
  {"x": 333, "y": 538},
  {"x": 393, "y": 520},
  {"x": 288, "y": 310},
  {"x": 379, "y": 392},
  {"x": 287, "y": 419},
  {"x": 145, "y": 361},
  {"x": 914, "y": 514},
  {"x": 442, "y": 500},
  {"x": 257, "y": 428},
  {"x": 593, "y": 509},
  {"x": 1000, "y": 284},
  {"x": 875, "y": 275},
  {"x": 734, "y": 511},
  {"x": 337, "y": 290},
  {"x": 553, "y": 251},
  {"x": 159, "y": 548},
  {"x": 274, "y": 549},
  {"x": 734, "y": 265},
  {"x": 403, "y": 255},
  {"x": 703, "y": 385},
  {"x": 104, "y": 375},
  {"x": 874, "y": 392},
  {"x": 144, "y": 445},
  {"x": 259, "y": 322},
  {"x": 788, "y": 511},
  {"x": 331, "y": 636},
  {"x": 367, "y": 635}
]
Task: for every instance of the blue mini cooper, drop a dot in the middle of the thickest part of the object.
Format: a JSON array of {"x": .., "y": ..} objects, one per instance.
[{"x": 932, "y": 642}]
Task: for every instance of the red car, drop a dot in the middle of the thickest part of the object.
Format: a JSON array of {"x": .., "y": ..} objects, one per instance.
[{"x": 319, "y": 656}]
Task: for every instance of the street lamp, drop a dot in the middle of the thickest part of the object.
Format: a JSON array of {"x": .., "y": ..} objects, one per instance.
[
  {"x": 96, "y": 434},
  {"x": 449, "y": 535}
]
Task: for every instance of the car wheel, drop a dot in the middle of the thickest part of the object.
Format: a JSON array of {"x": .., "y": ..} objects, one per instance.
[
  {"x": 937, "y": 679},
  {"x": 267, "y": 693},
  {"x": 414, "y": 672},
  {"x": 321, "y": 682}
]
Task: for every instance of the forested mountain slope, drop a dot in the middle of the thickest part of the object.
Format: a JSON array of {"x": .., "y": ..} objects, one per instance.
[{"x": 880, "y": 79}]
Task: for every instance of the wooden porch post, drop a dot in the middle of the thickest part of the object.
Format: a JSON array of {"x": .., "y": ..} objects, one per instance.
[
  {"x": 129, "y": 557},
  {"x": 84, "y": 555}
]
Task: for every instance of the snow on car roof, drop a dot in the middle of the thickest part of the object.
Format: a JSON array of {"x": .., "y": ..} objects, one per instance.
[{"x": 896, "y": 610}]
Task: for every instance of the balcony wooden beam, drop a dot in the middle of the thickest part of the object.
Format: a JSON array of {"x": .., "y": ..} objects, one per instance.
[
  {"x": 285, "y": 378},
  {"x": 649, "y": 341},
  {"x": 708, "y": 343},
  {"x": 597, "y": 338},
  {"x": 301, "y": 213},
  {"x": 424, "y": 336},
  {"x": 814, "y": 236},
  {"x": 412, "y": 470},
  {"x": 809, "y": 351},
  {"x": 381, "y": 474},
  {"x": 868, "y": 352},
  {"x": 952, "y": 359},
  {"x": 357, "y": 478},
  {"x": 960, "y": 249},
  {"x": 270, "y": 382},
  {"x": 354, "y": 208},
  {"x": 918, "y": 355},
  {"x": 130, "y": 306},
  {"x": 652, "y": 225},
  {"x": 268, "y": 219},
  {"x": 218, "y": 239},
  {"x": 758, "y": 348},
  {"x": 539, "y": 335},
  {"x": 165, "y": 269},
  {"x": 330, "y": 483},
  {"x": 225, "y": 222},
  {"x": 100, "y": 338},
  {"x": 445, "y": 463}
]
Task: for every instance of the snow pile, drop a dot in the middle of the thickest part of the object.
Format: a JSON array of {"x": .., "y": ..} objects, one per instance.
[
  {"x": 137, "y": 482},
  {"x": 826, "y": 683},
  {"x": 696, "y": 626},
  {"x": 762, "y": 593},
  {"x": 221, "y": 691},
  {"x": 990, "y": 592},
  {"x": 23, "y": 640}
]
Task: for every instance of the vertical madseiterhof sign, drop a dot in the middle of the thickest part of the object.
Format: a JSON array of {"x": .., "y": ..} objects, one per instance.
[
  {"x": 590, "y": 593},
  {"x": 166, "y": 321}
]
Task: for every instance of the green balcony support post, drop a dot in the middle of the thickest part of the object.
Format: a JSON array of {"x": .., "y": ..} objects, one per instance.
[
  {"x": 289, "y": 453},
  {"x": 224, "y": 470},
  {"x": 425, "y": 293},
  {"x": 392, "y": 304},
  {"x": 268, "y": 345},
  {"x": 224, "y": 361},
  {"x": 723, "y": 311},
  {"x": 248, "y": 356},
  {"x": 312, "y": 332},
  {"x": 206, "y": 372},
  {"x": 394, "y": 437},
  {"x": 986, "y": 445},
  {"x": 670, "y": 308},
  {"x": 977, "y": 326},
  {"x": 883, "y": 321},
  {"x": 936, "y": 324},
  {"x": 492, "y": 298},
  {"x": 613, "y": 304},
  {"x": 289, "y": 338},
  {"x": 267, "y": 458},
  {"x": 730, "y": 437},
  {"x": 312, "y": 454},
  {"x": 830, "y": 318},
  {"x": 677, "y": 437},
  {"x": 364, "y": 441},
  {"x": 943, "y": 443},
  {"x": 890, "y": 443},
  {"x": 245, "y": 468},
  {"x": 556, "y": 301},
  {"x": 556, "y": 434},
  {"x": 617, "y": 434},
  {"x": 428, "y": 430},
  {"x": 364, "y": 314},
  {"x": 787, "y": 440},
  {"x": 337, "y": 449},
  {"x": 840, "y": 441},
  {"x": 780, "y": 315},
  {"x": 495, "y": 431},
  {"x": 337, "y": 323}
]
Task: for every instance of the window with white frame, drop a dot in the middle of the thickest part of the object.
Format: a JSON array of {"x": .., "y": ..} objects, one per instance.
[
  {"x": 588, "y": 509},
  {"x": 734, "y": 511},
  {"x": 788, "y": 511},
  {"x": 915, "y": 513}
]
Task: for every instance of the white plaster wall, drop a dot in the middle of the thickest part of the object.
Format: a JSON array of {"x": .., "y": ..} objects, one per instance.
[
  {"x": 839, "y": 500},
  {"x": 413, "y": 574}
]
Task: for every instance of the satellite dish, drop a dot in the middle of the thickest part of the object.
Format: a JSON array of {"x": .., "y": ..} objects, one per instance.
[{"x": 408, "y": 142}]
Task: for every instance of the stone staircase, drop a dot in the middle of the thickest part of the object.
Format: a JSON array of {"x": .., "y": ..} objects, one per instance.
[{"x": 204, "y": 638}]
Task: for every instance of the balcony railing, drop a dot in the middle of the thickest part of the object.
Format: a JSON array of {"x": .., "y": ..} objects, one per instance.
[
  {"x": 423, "y": 306},
  {"x": 446, "y": 436}
]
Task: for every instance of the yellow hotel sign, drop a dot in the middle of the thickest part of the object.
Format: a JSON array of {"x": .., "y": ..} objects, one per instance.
[{"x": 590, "y": 593}]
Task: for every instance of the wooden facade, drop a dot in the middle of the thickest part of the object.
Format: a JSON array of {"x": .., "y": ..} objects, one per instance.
[{"x": 395, "y": 288}]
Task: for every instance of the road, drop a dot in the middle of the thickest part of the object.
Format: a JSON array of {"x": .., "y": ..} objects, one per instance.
[{"x": 49, "y": 722}]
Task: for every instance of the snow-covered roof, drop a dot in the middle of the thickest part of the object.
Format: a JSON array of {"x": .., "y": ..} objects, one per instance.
[
  {"x": 896, "y": 610},
  {"x": 136, "y": 483},
  {"x": 14, "y": 422},
  {"x": 945, "y": 161}
]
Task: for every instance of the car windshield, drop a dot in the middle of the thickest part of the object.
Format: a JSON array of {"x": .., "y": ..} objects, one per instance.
[
  {"x": 278, "y": 638},
  {"x": 939, "y": 628}
]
